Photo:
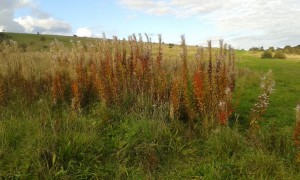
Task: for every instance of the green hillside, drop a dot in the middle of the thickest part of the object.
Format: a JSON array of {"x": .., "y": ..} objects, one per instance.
[{"x": 40, "y": 42}]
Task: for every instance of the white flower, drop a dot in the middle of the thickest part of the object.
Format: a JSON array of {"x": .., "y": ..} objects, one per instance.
[
  {"x": 227, "y": 90},
  {"x": 222, "y": 103},
  {"x": 298, "y": 108}
]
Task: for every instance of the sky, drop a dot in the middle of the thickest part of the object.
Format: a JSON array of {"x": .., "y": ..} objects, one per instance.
[{"x": 241, "y": 23}]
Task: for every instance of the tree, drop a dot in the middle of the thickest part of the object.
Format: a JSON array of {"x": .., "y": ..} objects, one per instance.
[
  {"x": 4, "y": 37},
  {"x": 288, "y": 49},
  {"x": 262, "y": 48},
  {"x": 272, "y": 49},
  {"x": 254, "y": 49}
]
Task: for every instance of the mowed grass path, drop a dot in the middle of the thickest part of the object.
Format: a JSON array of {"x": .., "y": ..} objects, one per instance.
[{"x": 284, "y": 99}]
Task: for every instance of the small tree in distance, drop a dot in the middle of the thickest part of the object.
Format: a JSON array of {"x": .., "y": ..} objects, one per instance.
[
  {"x": 266, "y": 55},
  {"x": 279, "y": 55},
  {"x": 171, "y": 45}
]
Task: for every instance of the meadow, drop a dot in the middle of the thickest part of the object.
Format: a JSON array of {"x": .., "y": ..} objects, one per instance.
[{"x": 83, "y": 108}]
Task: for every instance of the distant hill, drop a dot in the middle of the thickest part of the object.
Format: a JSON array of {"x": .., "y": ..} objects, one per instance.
[{"x": 40, "y": 42}]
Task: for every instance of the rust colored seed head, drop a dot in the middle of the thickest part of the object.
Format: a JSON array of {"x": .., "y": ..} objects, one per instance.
[
  {"x": 297, "y": 128},
  {"x": 198, "y": 82}
]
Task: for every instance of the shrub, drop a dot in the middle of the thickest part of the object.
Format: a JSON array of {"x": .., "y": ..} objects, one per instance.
[
  {"x": 4, "y": 37},
  {"x": 23, "y": 47},
  {"x": 171, "y": 45},
  {"x": 279, "y": 55},
  {"x": 42, "y": 38},
  {"x": 266, "y": 55}
]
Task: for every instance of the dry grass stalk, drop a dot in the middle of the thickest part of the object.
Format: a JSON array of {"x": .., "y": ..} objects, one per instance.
[
  {"x": 57, "y": 88},
  {"x": 175, "y": 99},
  {"x": 127, "y": 71},
  {"x": 297, "y": 133},
  {"x": 199, "y": 91},
  {"x": 3, "y": 91}
]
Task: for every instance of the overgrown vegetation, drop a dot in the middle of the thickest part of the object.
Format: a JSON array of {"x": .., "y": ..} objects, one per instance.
[
  {"x": 119, "y": 109},
  {"x": 277, "y": 55},
  {"x": 267, "y": 55},
  {"x": 4, "y": 37}
]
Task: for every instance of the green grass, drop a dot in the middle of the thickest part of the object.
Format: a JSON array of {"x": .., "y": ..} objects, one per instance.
[
  {"x": 108, "y": 144},
  {"x": 287, "y": 89}
]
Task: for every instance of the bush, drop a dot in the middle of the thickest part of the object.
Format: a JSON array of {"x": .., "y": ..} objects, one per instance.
[
  {"x": 171, "y": 45},
  {"x": 279, "y": 55},
  {"x": 266, "y": 54},
  {"x": 23, "y": 47},
  {"x": 42, "y": 38},
  {"x": 4, "y": 37}
]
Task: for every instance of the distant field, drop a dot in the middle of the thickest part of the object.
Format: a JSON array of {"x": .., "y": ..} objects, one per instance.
[{"x": 287, "y": 90}]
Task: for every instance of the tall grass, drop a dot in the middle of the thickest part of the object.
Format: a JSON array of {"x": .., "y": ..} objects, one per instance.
[{"x": 121, "y": 73}]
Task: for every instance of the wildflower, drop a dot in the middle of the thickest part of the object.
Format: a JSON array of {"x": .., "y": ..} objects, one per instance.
[
  {"x": 221, "y": 104},
  {"x": 297, "y": 128},
  {"x": 298, "y": 111},
  {"x": 227, "y": 91},
  {"x": 267, "y": 85}
]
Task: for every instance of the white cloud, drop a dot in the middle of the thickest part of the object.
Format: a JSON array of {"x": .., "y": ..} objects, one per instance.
[
  {"x": 2, "y": 28},
  {"x": 7, "y": 10},
  {"x": 47, "y": 25},
  {"x": 84, "y": 32},
  {"x": 272, "y": 22},
  {"x": 132, "y": 16},
  {"x": 37, "y": 21},
  {"x": 149, "y": 6},
  {"x": 14, "y": 4}
]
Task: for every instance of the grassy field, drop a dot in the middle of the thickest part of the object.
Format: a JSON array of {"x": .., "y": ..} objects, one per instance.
[
  {"x": 121, "y": 110},
  {"x": 286, "y": 95}
]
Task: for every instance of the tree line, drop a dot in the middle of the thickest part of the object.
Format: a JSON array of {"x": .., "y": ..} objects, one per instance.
[{"x": 287, "y": 49}]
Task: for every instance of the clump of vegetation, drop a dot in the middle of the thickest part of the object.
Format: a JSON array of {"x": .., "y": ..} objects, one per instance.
[
  {"x": 279, "y": 55},
  {"x": 23, "y": 47},
  {"x": 42, "y": 38},
  {"x": 4, "y": 37},
  {"x": 267, "y": 55}
]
